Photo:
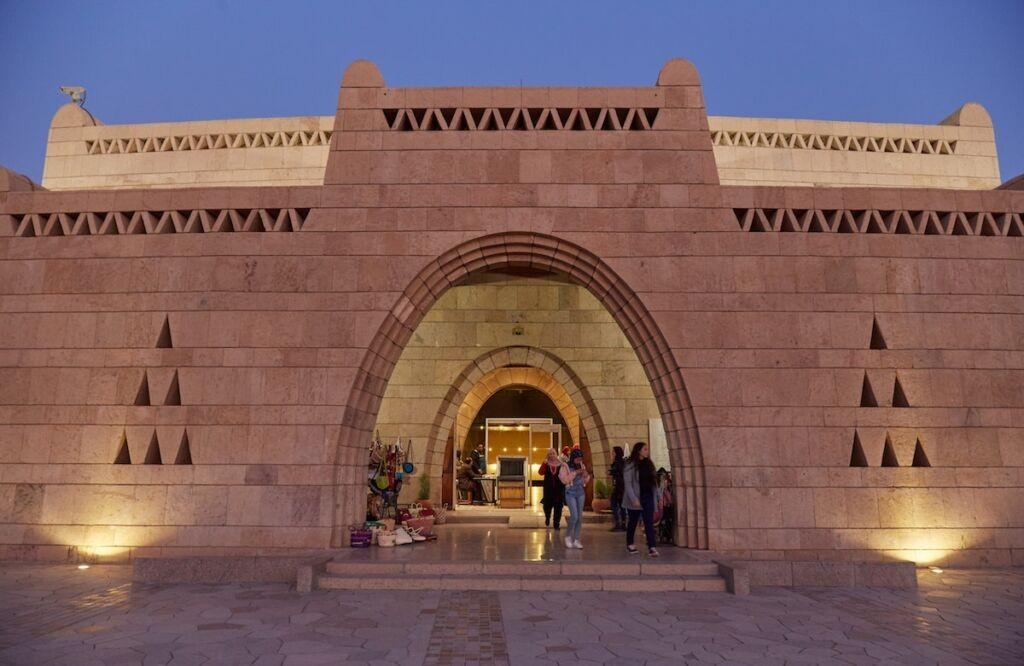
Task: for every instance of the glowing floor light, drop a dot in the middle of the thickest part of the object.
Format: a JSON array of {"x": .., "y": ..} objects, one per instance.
[{"x": 83, "y": 567}]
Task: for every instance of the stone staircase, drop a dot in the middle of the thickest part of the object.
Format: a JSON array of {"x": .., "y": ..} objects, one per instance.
[{"x": 541, "y": 576}]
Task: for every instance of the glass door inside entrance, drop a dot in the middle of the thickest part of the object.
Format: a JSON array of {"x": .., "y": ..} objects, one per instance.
[{"x": 515, "y": 448}]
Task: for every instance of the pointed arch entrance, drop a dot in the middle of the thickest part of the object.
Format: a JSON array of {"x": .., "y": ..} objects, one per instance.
[{"x": 536, "y": 252}]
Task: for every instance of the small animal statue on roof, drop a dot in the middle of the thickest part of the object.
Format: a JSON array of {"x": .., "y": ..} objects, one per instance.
[{"x": 77, "y": 94}]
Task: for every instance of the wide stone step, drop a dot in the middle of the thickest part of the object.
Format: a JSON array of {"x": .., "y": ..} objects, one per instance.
[
  {"x": 511, "y": 582},
  {"x": 465, "y": 518},
  {"x": 346, "y": 567}
]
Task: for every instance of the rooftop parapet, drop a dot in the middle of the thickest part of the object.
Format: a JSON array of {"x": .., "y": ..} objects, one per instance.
[{"x": 83, "y": 153}]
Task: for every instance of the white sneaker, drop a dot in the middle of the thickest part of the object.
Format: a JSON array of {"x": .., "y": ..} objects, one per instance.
[
  {"x": 568, "y": 542},
  {"x": 577, "y": 544}
]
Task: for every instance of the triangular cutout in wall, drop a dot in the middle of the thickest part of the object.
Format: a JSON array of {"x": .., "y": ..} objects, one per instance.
[
  {"x": 889, "y": 454},
  {"x": 164, "y": 341},
  {"x": 867, "y": 395},
  {"x": 142, "y": 396},
  {"x": 124, "y": 456},
  {"x": 174, "y": 392},
  {"x": 153, "y": 453},
  {"x": 857, "y": 457},
  {"x": 877, "y": 340},
  {"x": 899, "y": 398},
  {"x": 184, "y": 456},
  {"x": 920, "y": 457}
]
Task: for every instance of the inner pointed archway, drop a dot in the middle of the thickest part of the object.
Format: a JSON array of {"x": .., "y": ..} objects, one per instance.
[
  {"x": 499, "y": 368},
  {"x": 546, "y": 254},
  {"x": 510, "y": 377}
]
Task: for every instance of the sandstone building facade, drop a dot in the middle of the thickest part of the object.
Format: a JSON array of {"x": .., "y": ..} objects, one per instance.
[{"x": 203, "y": 323}]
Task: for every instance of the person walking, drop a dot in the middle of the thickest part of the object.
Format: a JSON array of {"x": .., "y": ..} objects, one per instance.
[
  {"x": 618, "y": 511},
  {"x": 640, "y": 485},
  {"x": 575, "y": 477},
  {"x": 553, "y": 498}
]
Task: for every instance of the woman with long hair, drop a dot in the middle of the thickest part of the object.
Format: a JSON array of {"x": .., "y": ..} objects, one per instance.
[
  {"x": 574, "y": 475},
  {"x": 641, "y": 486}
]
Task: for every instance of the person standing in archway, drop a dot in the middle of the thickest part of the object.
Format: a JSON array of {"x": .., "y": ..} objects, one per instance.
[
  {"x": 479, "y": 460},
  {"x": 553, "y": 498},
  {"x": 575, "y": 477},
  {"x": 641, "y": 485},
  {"x": 616, "y": 471}
]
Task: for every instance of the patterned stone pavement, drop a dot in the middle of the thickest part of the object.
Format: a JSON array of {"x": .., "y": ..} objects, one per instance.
[{"x": 55, "y": 614}]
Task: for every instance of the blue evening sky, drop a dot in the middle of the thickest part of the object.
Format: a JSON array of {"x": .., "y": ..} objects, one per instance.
[{"x": 143, "y": 61}]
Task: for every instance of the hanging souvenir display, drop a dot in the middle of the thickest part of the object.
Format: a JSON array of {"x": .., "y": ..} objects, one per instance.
[{"x": 388, "y": 524}]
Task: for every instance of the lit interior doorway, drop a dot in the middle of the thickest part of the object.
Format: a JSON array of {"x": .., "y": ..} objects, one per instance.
[{"x": 515, "y": 448}]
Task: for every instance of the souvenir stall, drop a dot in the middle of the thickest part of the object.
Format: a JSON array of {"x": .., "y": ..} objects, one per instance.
[{"x": 388, "y": 522}]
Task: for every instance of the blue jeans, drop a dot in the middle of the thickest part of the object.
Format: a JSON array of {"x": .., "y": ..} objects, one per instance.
[
  {"x": 574, "y": 500},
  {"x": 647, "y": 513}
]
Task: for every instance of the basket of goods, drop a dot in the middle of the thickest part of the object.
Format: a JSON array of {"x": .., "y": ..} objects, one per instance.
[
  {"x": 359, "y": 536},
  {"x": 422, "y": 509},
  {"x": 425, "y": 525}
]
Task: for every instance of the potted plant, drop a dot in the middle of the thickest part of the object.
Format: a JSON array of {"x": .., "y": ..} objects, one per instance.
[
  {"x": 424, "y": 490},
  {"x": 601, "y": 502}
]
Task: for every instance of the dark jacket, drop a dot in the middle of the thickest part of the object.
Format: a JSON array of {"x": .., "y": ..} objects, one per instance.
[
  {"x": 618, "y": 485},
  {"x": 479, "y": 463},
  {"x": 554, "y": 489}
]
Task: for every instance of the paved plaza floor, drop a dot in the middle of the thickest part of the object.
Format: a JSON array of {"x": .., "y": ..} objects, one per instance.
[
  {"x": 57, "y": 614},
  {"x": 498, "y": 543}
]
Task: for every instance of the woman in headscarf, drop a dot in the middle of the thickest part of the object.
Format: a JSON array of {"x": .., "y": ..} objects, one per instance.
[
  {"x": 575, "y": 477},
  {"x": 553, "y": 498}
]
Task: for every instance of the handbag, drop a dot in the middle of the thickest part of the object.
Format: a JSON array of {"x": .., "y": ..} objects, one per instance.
[
  {"x": 359, "y": 537},
  {"x": 381, "y": 480},
  {"x": 407, "y": 465},
  {"x": 564, "y": 475},
  {"x": 386, "y": 539}
]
